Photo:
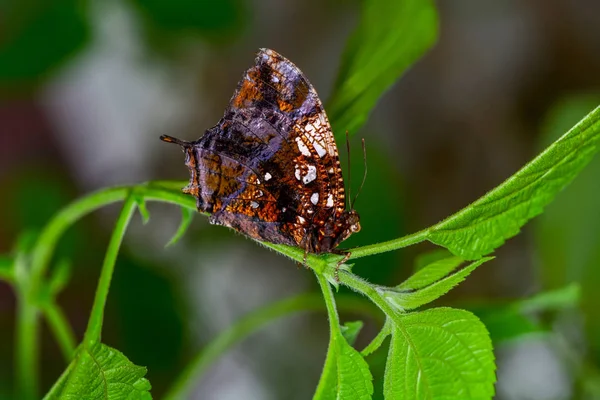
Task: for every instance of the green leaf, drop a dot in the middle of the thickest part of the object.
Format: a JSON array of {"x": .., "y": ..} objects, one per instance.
[
  {"x": 442, "y": 353},
  {"x": 186, "y": 219},
  {"x": 101, "y": 372},
  {"x": 345, "y": 375},
  {"x": 557, "y": 299},
  {"x": 390, "y": 36},
  {"x": 354, "y": 378},
  {"x": 431, "y": 273},
  {"x": 484, "y": 225},
  {"x": 60, "y": 277},
  {"x": 430, "y": 257},
  {"x": 429, "y": 283},
  {"x": 141, "y": 205},
  {"x": 350, "y": 331}
]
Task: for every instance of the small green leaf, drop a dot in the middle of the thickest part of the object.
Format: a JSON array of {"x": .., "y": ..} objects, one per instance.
[
  {"x": 354, "y": 378},
  {"x": 442, "y": 353},
  {"x": 431, "y": 273},
  {"x": 377, "y": 341},
  {"x": 557, "y": 299},
  {"x": 506, "y": 323},
  {"x": 7, "y": 272},
  {"x": 423, "y": 260},
  {"x": 345, "y": 375},
  {"x": 350, "y": 331},
  {"x": 141, "y": 204},
  {"x": 484, "y": 225},
  {"x": 186, "y": 219},
  {"x": 429, "y": 283},
  {"x": 513, "y": 320},
  {"x": 390, "y": 36},
  {"x": 60, "y": 277},
  {"x": 101, "y": 372}
]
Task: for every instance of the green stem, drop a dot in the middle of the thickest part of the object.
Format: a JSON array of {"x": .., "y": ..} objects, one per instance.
[
  {"x": 27, "y": 351},
  {"x": 27, "y": 311},
  {"x": 377, "y": 340},
  {"x": 61, "y": 329},
  {"x": 329, "y": 367},
  {"x": 390, "y": 245},
  {"x": 94, "y": 328},
  {"x": 334, "y": 319},
  {"x": 250, "y": 324},
  {"x": 360, "y": 285}
]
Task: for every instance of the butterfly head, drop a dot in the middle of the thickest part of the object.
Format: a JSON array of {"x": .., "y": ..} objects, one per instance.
[
  {"x": 328, "y": 240},
  {"x": 190, "y": 161}
]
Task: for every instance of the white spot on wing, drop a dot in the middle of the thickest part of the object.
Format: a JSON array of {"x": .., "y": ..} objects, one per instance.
[
  {"x": 302, "y": 147},
  {"x": 297, "y": 172},
  {"x": 311, "y": 175},
  {"x": 268, "y": 176},
  {"x": 314, "y": 198},
  {"x": 300, "y": 219},
  {"x": 320, "y": 150},
  {"x": 253, "y": 204},
  {"x": 329, "y": 201}
]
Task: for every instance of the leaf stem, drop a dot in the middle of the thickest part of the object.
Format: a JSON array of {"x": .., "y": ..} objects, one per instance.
[
  {"x": 94, "y": 328},
  {"x": 61, "y": 329},
  {"x": 360, "y": 285},
  {"x": 27, "y": 351},
  {"x": 390, "y": 245},
  {"x": 334, "y": 319}
]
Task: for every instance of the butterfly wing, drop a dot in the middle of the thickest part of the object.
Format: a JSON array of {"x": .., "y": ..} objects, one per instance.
[{"x": 270, "y": 168}]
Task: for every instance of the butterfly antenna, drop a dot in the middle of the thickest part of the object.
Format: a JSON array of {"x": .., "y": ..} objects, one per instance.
[
  {"x": 349, "y": 169},
  {"x": 364, "y": 175},
  {"x": 171, "y": 139}
]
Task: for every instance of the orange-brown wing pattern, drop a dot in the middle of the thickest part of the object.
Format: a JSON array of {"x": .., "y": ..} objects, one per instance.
[{"x": 270, "y": 167}]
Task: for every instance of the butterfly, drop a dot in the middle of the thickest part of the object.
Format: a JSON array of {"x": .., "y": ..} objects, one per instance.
[{"x": 270, "y": 167}]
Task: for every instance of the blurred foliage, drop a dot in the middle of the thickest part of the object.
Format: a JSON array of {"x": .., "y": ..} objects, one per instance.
[
  {"x": 150, "y": 319},
  {"x": 380, "y": 205},
  {"x": 568, "y": 233},
  {"x": 38, "y": 36},
  {"x": 519, "y": 319},
  {"x": 217, "y": 21}
]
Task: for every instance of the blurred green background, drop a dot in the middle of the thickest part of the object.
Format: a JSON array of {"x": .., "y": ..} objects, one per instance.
[{"x": 87, "y": 87}]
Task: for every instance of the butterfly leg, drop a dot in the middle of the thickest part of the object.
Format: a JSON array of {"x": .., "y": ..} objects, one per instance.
[{"x": 346, "y": 255}]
